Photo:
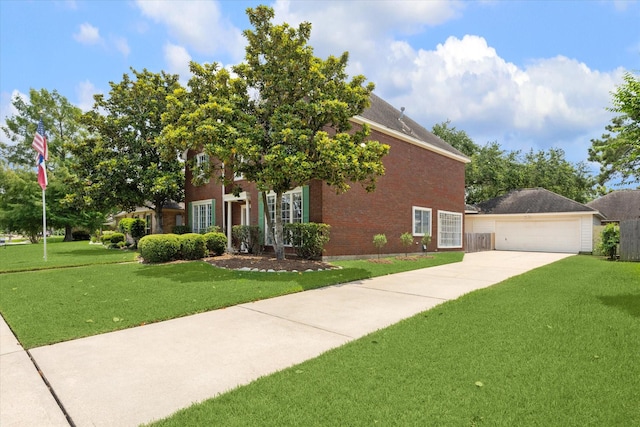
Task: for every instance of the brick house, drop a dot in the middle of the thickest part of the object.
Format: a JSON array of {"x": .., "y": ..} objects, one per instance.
[
  {"x": 172, "y": 214},
  {"x": 422, "y": 192}
]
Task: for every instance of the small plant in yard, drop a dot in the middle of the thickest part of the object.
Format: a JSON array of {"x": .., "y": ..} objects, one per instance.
[
  {"x": 407, "y": 241},
  {"x": 426, "y": 239},
  {"x": 379, "y": 240},
  {"x": 610, "y": 240}
]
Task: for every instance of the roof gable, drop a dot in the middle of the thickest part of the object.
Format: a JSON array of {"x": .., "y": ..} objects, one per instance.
[
  {"x": 618, "y": 205},
  {"x": 531, "y": 200},
  {"x": 389, "y": 117}
]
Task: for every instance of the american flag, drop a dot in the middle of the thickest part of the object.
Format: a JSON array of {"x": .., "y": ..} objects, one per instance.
[
  {"x": 40, "y": 145},
  {"x": 40, "y": 141}
]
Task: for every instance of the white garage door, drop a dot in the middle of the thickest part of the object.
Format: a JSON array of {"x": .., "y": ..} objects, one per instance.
[{"x": 538, "y": 236}]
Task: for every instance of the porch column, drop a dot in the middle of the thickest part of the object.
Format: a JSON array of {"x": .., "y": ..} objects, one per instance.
[{"x": 229, "y": 222}]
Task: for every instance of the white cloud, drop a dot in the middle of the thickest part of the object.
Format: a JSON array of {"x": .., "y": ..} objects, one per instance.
[
  {"x": 88, "y": 34},
  {"x": 177, "y": 59},
  {"x": 121, "y": 44},
  {"x": 7, "y": 110},
  {"x": 197, "y": 24},
  {"x": 84, "y": 93}
]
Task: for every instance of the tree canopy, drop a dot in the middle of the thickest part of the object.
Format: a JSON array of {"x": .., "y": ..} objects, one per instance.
[
  {"x": 123, "y": 163},
  {"x": 494, "y": 171},
  {"x": 64, "y": 129},
  {"x": 618, "y": 150},
  {"x": 280, "y": 118}
]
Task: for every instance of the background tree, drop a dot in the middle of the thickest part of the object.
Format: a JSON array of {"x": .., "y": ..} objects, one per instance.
[
  {"x": 494, "y": 171},
  {"x": 122, "y": 164},
  {"x": 618, "y": 150},
  {"x": 270, "y": 123},
  {"x": 20, "y": 202},
  {"x": 62, "y": 124}
]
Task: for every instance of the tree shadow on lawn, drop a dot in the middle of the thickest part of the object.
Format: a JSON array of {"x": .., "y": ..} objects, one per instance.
[
  {"x": 626, "y": 302},
  {"x": 191, "y": 272}
]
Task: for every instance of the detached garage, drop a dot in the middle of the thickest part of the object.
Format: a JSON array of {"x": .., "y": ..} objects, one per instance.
[{"x": 535, "y": 220}]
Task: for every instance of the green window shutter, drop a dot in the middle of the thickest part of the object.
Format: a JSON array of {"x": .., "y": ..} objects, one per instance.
[
  {"x": 260, "y": 213},
  {"x": 213, "y": 211},
  {"x": 305, "y": 203},
  {"x": 190, "y": 215}
]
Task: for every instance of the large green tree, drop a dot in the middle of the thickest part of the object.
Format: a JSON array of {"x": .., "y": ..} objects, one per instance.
[
  {"x": 618, "y": 150},
  {"x": 64, "y": 129},
  {"x": 122, "y": 164},
  {"x": 281, "y": 119},
  {"x": 20, "y": 202},
  {"x": 494, "y": 171}
]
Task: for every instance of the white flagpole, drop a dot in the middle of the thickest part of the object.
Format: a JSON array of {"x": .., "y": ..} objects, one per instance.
[{"x": 44, "y": 224}]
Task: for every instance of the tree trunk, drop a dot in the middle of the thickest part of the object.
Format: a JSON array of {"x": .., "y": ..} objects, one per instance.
[
  {"x": 158, "y": 214},
  {"x": 272, "y": 229},
  {"x": 278, "y": 241},
  {"x": 68, "y": 233}
]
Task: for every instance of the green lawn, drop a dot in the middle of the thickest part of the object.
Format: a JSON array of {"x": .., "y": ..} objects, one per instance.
[
  {"x": 558, "y": 346},
  {"x": 26, "y": 257},
  {"x": 58, "y": 304}
]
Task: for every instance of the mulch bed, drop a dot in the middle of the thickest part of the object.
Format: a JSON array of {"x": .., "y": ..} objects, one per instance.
[{"x": 266, "y": 263}]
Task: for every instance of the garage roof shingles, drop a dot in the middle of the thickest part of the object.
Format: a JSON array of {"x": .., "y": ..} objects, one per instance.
[
  {"x": 531, "y": 200},
  {"x": 619, "y": 205}
]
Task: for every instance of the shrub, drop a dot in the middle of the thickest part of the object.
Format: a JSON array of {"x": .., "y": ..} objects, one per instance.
[
  {"x": 308, "y": 239},
  {"x": 192, "y": 246},
  {"x": 426, "y": 239},
  {"x": 116, "y": 238},
  {"x": 610, "y": 240},
  {"x": 379, "y": 240},
  {"x": 106, "y": 237},
  {"x": 80, "y": 235},
  {"x": 248, "y": 237},
  {"x": 181, "y": 229},
  {"x": 212, "y": 229},
  {"x": 159, "y": 247},
  {"x": 124, "y": 226},
  {"x": 137, "y": 230},
  {"x": 407, "y": 240},
  {"x": 216, "y": 242}
]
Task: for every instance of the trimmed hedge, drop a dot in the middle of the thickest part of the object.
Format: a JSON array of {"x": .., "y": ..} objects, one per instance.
[
  {"x": 80, "y": 235},
  {"x": 216, "y": 242},
  {"x": 192, "y": 246},
  {"x": 116, "y": 238},
  {"x": 159, "y": 247},
  {"x": 181, "y": 229}
]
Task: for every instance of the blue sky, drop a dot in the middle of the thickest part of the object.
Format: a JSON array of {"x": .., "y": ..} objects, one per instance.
[{"x": 530, "y": 74}]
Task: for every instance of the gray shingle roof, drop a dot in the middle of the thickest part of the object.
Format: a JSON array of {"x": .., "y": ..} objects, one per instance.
[
  {"x": 531, "y": 200},
  {"x": 618, "y": 205},
  {"x": 383, "y": 113}
]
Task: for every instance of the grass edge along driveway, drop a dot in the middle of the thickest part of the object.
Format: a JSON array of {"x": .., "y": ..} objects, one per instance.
[
  {"x": 48, "y": 306},
  {"x": 554, "y": 346}
]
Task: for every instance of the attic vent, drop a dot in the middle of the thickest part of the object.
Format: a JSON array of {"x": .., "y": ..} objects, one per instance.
[{"x": 401, "y": 113}]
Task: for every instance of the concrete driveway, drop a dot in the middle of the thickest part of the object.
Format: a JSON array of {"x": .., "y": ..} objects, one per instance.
[{"x": 142, "y": 374}]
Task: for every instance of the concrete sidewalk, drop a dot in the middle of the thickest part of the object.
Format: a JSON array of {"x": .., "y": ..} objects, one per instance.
[{"x": 142, "y": 374}]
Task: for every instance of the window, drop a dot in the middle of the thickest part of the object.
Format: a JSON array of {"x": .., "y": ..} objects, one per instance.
[
  {"x": 201, "y": 212},
  {"x": 291, "y": 209},
  {"x": 147, "y": 221},
  {"x": 449, "y": 229},
  {"x": 202, "y": 167},
  {"x": 421, "y": 221},
  {"x": 179, "y": 219}
]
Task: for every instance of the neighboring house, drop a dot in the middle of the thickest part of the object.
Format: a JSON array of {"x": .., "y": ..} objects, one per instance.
[
  {"x": 172, "y": 214},
  {"x": 618, "y": 205},
  {"x": 422, "y": 192},
  {"x": 536, "y": 220}
]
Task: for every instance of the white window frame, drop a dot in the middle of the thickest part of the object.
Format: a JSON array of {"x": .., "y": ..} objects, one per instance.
[
  {"x": 445, "y": 229},
  {"x": 290, "y": 215},
  {"x": 198, "y": 209},
  {"x": 201, "y": 159},
  {"x": 413, "y": 220}
]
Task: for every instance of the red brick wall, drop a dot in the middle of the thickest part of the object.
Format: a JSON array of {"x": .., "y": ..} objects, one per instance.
[{"x": 414, "y": 177}]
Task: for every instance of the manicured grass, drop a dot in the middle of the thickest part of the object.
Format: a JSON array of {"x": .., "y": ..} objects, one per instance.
[
  {"x": 25, "y": 257},
  {"x": 557, "y": 346},
  {"x": 48, "y": 306}
]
